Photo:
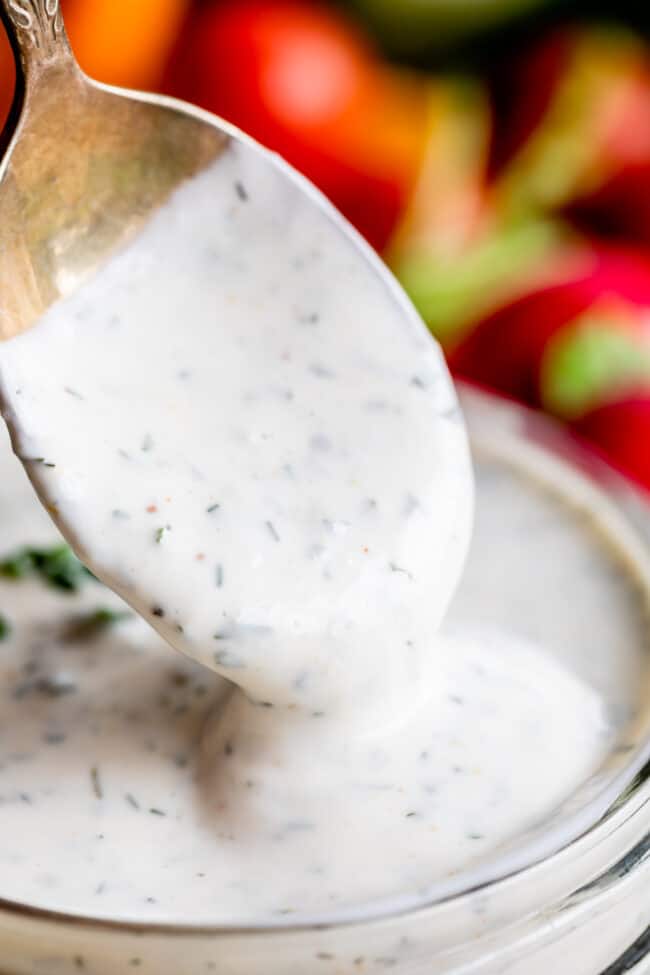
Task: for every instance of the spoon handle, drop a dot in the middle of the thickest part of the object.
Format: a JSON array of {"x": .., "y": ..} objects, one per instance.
[{"x": 37, "y": 34}]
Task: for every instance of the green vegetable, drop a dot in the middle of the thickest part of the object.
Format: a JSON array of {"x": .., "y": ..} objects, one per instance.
[
  {"x": 453, "y": 293},
  {"x": 5, "y": 627},
  {"x": 592, "y": 361}
]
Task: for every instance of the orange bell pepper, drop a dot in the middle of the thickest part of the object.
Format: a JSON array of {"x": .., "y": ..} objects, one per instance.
[{"x": 124, "y": 42}]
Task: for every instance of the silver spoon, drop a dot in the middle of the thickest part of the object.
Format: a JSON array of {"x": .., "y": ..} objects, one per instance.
[{"x": 85, "y": 166}]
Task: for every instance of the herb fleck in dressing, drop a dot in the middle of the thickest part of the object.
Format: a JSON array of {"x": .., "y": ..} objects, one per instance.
[{"x": 287, "y": 499}]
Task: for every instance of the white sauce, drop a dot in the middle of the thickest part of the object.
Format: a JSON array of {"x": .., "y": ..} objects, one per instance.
[
  {"x": 136, "y": 714},
  {"x": 246, "y": 432}
]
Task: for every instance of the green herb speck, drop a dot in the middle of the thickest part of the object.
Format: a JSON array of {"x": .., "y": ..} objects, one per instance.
[
  {"x": 224, "y": 658},
  {"x": 95, "y": 781},
  {"x": 160, "y": 533},
  {"x": 272, "y": 530}
]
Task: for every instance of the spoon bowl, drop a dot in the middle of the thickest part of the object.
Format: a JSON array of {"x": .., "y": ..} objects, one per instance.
[{"x": 85, "y": 166}]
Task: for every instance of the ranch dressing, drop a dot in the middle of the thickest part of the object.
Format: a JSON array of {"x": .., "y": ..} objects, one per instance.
[
  {"x": 108, "y": 778},
  {"x": 252, "y": 436},
  {"x": 247, "y": 432}
]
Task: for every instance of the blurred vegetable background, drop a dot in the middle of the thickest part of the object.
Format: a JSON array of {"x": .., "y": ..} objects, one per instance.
[{"x": 496, "y": 152}]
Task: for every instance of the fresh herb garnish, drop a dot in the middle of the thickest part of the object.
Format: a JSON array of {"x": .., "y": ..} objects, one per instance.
[
  {"x": 88, "y": 626},
  {"x": 18, "y": 565},
  {"x": 58, "y": 567},
  {"x": 5, "y": 627}
]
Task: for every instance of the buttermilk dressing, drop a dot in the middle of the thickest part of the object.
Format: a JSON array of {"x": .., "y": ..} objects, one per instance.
[
  {"x": 245, "y": 430},
  {"x": 109, "y": 779}
]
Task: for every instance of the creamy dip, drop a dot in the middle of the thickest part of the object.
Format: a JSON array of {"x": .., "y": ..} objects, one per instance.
[
  {"x": 107, "y": 776},
  {"x": 244, "y": 429}
]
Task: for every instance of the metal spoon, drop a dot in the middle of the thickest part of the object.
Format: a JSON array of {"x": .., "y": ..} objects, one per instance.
[{"x": 85, "y": 166}]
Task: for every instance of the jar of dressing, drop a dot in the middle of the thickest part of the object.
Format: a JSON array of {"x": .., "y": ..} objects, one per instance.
[{"x": 561, "y": 554}]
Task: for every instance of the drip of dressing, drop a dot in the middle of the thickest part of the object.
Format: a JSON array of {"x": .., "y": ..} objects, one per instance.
[
  {"x": 110, "y": 765},
  {"x": 245, "y": 430}
]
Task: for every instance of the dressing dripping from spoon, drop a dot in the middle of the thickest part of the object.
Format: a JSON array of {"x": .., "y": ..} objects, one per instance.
[{"x": 221, "y": 396}]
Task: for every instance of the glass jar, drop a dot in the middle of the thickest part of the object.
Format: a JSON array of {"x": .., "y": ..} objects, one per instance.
[{"x": 573, "y": 898}]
